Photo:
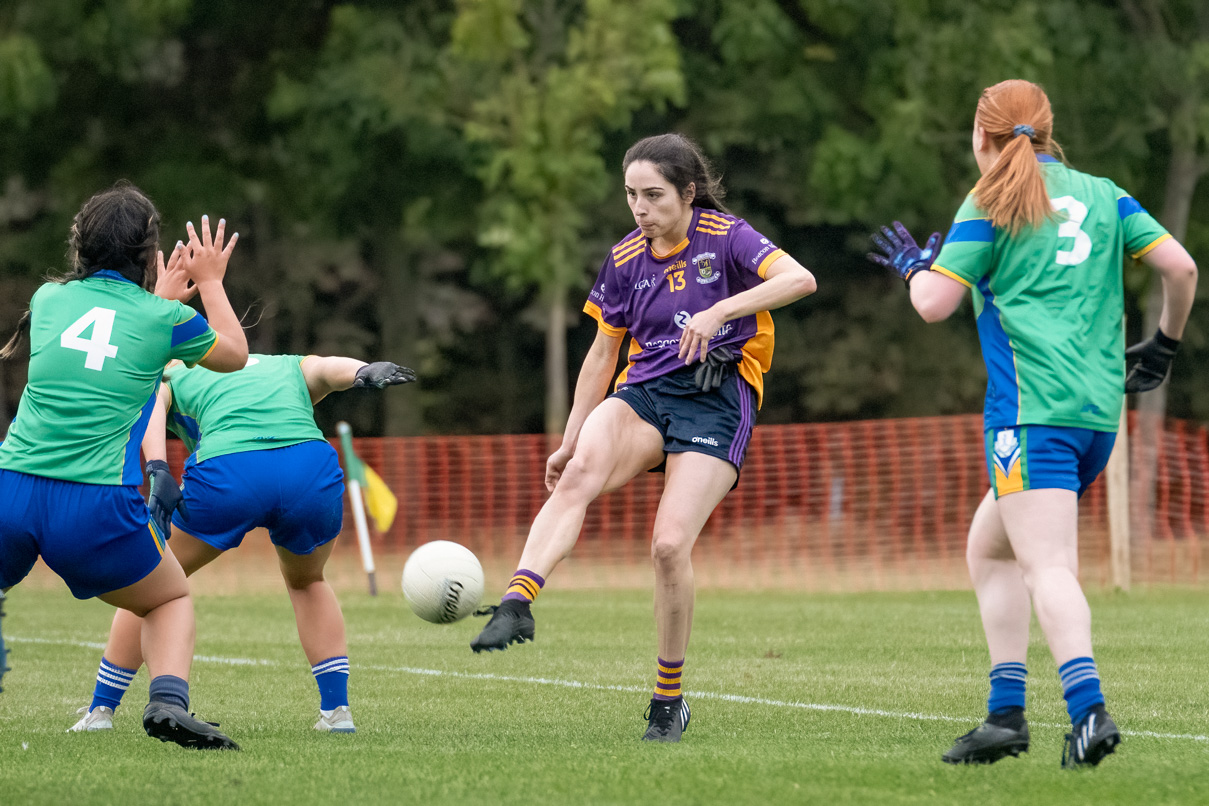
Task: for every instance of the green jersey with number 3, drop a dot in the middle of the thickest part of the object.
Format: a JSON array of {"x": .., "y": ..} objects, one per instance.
[
  {"x": 97, "y": 349},
  {"x": 264, "y": 405},
  {"x": 1050, "y": 301}
]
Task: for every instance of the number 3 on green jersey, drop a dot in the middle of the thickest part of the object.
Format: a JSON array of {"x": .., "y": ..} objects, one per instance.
[{"x": 97, "y": 348}]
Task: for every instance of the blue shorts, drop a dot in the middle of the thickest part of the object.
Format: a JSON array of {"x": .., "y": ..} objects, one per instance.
[
  {"x": 1044, "y": 457},
  {"x": 717, "y": 423},
  {"x": 296, "y": 492},
  {"x": 96, "y": 537}
]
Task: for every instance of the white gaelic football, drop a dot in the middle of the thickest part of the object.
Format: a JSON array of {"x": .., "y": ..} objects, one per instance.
[{"x": 442, "y": 581}]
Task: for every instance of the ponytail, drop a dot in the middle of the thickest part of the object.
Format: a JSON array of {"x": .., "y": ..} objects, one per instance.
[
  {"x": 18, "y": 339},
  {"x": 1017, "y": 119}
]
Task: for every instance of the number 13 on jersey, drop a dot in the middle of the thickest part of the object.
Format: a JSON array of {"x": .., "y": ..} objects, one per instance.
[{"x": 96, "y": 348}]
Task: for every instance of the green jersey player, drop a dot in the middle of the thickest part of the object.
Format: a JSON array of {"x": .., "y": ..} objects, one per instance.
[
  {"x": 1042, "y": 247},
  {"x": 257, "y": 460},
  {"x": 69, "y": 466}
]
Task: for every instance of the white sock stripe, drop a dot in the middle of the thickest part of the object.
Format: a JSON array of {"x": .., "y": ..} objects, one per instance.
[
  {"x": 117, "y": 671},
  {"x": 1069, "y": 683},
  {"x": 1078, "y": 667},
  {"x": 1009, "y": 675},
  {"x": 113, "y": 682},
  {"x": 334, "y": 665}
]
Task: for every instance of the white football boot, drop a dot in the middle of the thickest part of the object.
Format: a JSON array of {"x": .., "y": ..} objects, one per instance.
[
  {"x": 337, "y": 720},
  {"x": 99, "y": 718}
]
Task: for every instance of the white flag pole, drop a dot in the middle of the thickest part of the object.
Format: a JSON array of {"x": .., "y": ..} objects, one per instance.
[{"x": 358, "y": 502}]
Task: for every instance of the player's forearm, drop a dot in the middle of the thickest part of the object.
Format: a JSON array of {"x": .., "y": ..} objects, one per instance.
[
  {"x": 155, "y": 443},
  {"x": 222, "y": 318},
  {"x": 590, "y": 389},
  {"x": 333, "y": 373},
  {"x": 934, "y": 296},
  {"x": 1179, "y": 290},
  {"x": 782, "y": 286}
]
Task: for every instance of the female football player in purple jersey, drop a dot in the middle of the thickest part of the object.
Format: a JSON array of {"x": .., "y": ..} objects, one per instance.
[
  {"x": 69, "y": 470},
  {"x": 693, "y": 286}
]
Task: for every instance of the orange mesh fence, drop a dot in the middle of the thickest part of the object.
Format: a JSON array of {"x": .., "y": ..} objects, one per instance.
[{"x": 880, "y": 504}]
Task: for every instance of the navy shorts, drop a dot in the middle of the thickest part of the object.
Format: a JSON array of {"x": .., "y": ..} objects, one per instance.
[
  {"x": 716, "y": 423},
  {"x": 96, "y": 537},
  {"x": 296, "y": 492},
  {"x": 1045, "y": 457}
]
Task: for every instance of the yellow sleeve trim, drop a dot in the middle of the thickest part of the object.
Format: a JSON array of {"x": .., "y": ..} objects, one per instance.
[
  {"x": 207, "y": 355},
  {"x": 593, "y": 310},
  {"x": 765, "y": 264},
  {"x": 951, "y": 275},
  {"x": 306, "y": 358},
  {"x": 1150, "y": 246}
]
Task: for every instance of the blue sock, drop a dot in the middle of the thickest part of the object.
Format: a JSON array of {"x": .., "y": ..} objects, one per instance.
[
  {"x": 112, "y": 682},
  {"x": 1080, "y": 687},
  {"x": 1007, "y": 687},
  {"x": 332, "y": 677},
  {"x": 170, "y": 689}
]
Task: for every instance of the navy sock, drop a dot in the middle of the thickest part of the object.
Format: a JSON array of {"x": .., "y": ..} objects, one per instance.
[
  {"x": 112, "y": 682},
  {"x": 332, "y": 677},
  {"x": 1080, "y": 687},
  {"x": 170, "y": 689},
  {"x": 1007, "y": 687}
]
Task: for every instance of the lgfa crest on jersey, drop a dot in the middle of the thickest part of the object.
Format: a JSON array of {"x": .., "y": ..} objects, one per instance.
[{"x": 705, "y": 268}]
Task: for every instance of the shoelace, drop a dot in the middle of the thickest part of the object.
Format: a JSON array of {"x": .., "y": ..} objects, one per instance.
[
  {"x": 487, "y": 610},
  {"x": 660, "y": 715}
]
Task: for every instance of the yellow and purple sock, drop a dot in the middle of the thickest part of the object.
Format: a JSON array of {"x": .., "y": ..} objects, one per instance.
[
  {"x": 525, "y": 585},
  {"x": 667, "y": 682}
]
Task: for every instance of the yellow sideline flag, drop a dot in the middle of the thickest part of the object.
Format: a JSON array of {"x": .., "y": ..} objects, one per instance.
[{"x": 379, "y": 500}]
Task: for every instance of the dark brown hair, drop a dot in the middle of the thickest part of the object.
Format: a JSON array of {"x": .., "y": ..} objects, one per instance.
[
  {"x": 679, "y": 160},
  {"x": 118, "y": 230}
]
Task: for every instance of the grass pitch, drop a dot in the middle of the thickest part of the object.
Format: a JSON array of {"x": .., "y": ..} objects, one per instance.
[{"x": 796, "y": 699}]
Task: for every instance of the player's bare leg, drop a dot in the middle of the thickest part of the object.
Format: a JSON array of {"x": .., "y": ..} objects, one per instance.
[
  {"x": 1042, "y": 526},
  {"x": 321, "y": 632},
  {"x": 615, "y": 444},
  {"x": 162, "y": 600},
  {"x": 1003, "y": 602},
  {"x": 694, "y": 486}
]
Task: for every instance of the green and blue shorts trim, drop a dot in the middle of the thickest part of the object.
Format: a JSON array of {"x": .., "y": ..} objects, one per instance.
[{"x": 1045, "y": 457}]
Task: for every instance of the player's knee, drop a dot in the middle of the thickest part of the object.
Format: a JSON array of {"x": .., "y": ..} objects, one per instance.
[
  {"x": 670, "y": 549},
  {"x": 580, "y": 480},
  {"x": 298, "y": 579}
]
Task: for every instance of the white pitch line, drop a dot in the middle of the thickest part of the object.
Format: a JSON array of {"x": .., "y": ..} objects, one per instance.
[{"x": 553, "y": 681}]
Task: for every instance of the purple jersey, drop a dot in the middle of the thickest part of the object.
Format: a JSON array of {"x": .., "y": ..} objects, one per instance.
[{"x": 654, "y": 296}]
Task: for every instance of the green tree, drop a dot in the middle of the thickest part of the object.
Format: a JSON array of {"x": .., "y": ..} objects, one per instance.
[{"x": 549, "y": 79}]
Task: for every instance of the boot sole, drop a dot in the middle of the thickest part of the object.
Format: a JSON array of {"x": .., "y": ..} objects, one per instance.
[
  {"x": 167, "y": 728},
  {"x": 989, "y": 755}
]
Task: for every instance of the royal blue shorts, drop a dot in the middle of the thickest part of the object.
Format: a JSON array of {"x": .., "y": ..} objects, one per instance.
[
  {"x": 296, "y": 492},
  {"x": 1044, "y": 457},
  {"x": 717, "y": 423},
  {"x": 96, "y": 537}
]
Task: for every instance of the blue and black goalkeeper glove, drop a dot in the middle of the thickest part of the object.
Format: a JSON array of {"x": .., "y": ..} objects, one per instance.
[
  {"x": 902, "y": 255},
  {"x": 382, "y": 374},
  {"x": 1147, "y": 362},
  {"x": 164, "y": 497}
]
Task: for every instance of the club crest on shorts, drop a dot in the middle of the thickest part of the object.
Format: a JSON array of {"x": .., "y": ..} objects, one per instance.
[{"x": 1007, "y": 450}]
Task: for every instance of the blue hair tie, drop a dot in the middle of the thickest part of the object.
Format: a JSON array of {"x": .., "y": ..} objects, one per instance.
[{"x": 1024, "y": 129}]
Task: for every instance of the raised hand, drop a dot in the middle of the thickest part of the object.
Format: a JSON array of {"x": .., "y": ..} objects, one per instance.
[
  {"x": 382, "y": 374},
  {"x": 172, "y": 281},
  {"x": 902, "y": 255},
  {"x": 205, "y": 258},
  {"x": 1147, "y": 362}
]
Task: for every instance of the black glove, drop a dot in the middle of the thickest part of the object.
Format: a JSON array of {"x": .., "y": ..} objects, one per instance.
[
  {"x": 714, "y": 370},
  {"x": 164, "y": 497},
  {"x": 903, "y": 256},
  {"x": 382, "y": 374},
  {"x": 1147, "y": 362}
]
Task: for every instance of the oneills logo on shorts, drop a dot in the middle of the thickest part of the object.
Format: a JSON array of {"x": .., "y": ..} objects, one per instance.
[{"x": 706, "y": 441}]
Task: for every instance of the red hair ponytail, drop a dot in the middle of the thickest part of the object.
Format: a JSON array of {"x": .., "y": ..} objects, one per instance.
[{"x": 1017, "y": 118}]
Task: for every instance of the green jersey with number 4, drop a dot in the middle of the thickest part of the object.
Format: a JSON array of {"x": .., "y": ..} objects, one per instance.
[
  {"x": 97, "y": 349},
  {"x": 264, "y": 405},
  {"x": 1050, "y": 301}
]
